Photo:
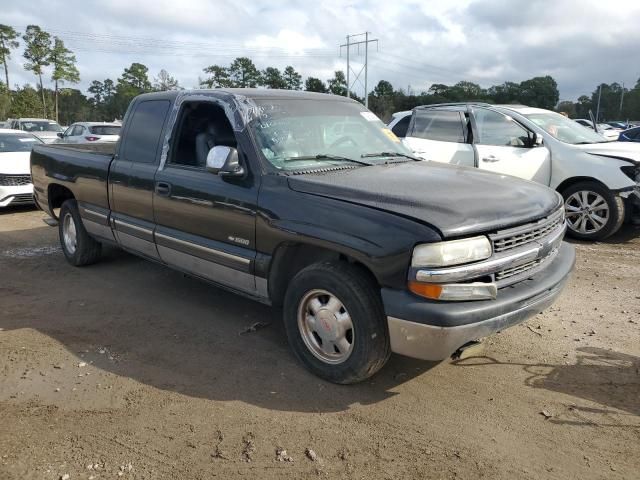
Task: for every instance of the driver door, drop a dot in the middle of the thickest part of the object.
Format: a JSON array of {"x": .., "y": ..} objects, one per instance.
[{"x": 504, "y": 146}]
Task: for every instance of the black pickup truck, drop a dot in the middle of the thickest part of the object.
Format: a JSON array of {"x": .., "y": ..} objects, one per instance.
[{"x": 308, "y": 202}]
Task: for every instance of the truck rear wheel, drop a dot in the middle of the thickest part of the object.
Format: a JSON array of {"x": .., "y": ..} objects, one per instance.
[
  {"x": 593, "y": 212},
  {"x": 79, "y": 248},
  {"x": 335, "y": 322}
]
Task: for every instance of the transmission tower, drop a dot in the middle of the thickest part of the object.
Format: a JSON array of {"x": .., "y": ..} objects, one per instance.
[{"x": 364, "y": 68}]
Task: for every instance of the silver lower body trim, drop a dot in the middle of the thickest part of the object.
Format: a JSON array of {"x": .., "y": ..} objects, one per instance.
[
  {"x": 434, "y": 343},
  {"x": 209, "y": 270}
]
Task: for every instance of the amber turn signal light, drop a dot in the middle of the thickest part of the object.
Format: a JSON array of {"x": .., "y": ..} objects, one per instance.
[{"x": 428, "y": 290}]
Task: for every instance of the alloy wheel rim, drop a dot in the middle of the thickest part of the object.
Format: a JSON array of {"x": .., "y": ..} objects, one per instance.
[
  {"x": 69, "y": 234},
  {"x": 586, "y": 212},
  {"x": 325, "y": 326}
]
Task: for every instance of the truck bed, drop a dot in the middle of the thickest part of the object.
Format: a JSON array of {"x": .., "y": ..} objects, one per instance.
[{"x": 83, "y": 169}]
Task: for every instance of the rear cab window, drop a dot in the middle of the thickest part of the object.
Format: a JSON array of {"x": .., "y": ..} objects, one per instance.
[
  {"x": 144, "y": 131},
  {"x": 439, "y": 125}
]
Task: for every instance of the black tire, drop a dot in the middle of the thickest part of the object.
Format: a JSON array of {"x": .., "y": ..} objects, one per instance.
[
  {"x": 615, "y": 205},
  {"x": 87, "y": 250},
  {"x": 360, "y": 297}
]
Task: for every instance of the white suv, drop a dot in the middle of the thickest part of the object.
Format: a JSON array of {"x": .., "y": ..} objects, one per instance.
[
  {"x": 91, "y": 132},
  {"x": 599, "y": 180}
]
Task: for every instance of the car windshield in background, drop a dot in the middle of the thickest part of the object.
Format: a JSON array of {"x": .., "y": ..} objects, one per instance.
[
  {"x": 105, "y": 130},
  {"x": 15, "y": 142},
  {"x": 305, "y": 134},
  {"x": 565, "y": 129},
  {"x": 41, "y": 126}
]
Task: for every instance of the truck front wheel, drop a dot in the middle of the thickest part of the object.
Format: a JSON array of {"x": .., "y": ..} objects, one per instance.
[
  {"x": 335, "y": 322},
  {"x": 78, "y": 247}
]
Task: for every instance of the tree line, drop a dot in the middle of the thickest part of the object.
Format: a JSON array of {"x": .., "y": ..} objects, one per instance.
[{"x": 46, "y": 55}]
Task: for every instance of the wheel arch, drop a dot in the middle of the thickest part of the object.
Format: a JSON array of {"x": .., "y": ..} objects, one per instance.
[
  {"x": 57, "y": 194},
  {"x": 573, "y": 180},
  {"x": 291, "y": 257}
]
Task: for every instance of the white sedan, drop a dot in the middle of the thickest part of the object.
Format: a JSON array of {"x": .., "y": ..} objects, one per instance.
[
  {"x": 90, "y": 132},
  {"x": 15, "y": 176},
  {"x": 599, "y": 180}
]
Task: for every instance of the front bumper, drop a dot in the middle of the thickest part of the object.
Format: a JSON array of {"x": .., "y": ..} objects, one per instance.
[
  {"x": 432, "y": 330},
  {"x": 18, "y": 195}
]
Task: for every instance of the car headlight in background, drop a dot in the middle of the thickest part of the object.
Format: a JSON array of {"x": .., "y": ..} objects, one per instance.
[{"x": 453, "y": 252}]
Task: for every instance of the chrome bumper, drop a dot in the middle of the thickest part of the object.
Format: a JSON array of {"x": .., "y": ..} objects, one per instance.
[{"x": 437, "y": 329}]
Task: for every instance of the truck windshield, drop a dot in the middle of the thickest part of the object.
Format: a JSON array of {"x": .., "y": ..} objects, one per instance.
[
  {"x": 304, "y": 134},
  {"x": 565, "y": 129}
]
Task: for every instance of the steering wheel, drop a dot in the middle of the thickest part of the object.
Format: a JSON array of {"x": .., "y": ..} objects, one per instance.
[{"x": 342, "y": 140}]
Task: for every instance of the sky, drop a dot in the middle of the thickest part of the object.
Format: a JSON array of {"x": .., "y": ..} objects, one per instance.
[{"x": 581, "y": 43}]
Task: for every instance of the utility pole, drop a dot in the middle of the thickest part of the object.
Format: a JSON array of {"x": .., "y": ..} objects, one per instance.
[
  {"x": 364, "y": 68},
  {"x": 348, "y": 84},
  {"x": 621, "y": 100},
  {"x": 598, "y": 107}
]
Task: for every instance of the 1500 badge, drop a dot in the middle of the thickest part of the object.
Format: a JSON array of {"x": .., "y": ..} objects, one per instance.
[{"x": 241, "y": 241}]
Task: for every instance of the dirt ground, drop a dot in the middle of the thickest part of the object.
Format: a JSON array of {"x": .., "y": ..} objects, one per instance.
[{"x": 126, "y": 369}]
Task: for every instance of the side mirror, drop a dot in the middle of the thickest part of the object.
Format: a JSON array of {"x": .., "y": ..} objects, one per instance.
[
  {"x": 60, "y": 135},
  {"x": 224, "y": 161},
  {"x": 535, "y": 139}
]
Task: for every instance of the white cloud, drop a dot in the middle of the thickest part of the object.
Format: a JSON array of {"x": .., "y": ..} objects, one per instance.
[{"x": 580, "y": 42}]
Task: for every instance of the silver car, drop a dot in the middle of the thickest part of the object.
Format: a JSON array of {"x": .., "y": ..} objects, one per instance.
[
  {"x": 46, "y": 130},
  {"x": 90, "y": 132}
]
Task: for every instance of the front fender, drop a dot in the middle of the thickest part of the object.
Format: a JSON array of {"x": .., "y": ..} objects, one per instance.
[{"x": 605, "y": 169}]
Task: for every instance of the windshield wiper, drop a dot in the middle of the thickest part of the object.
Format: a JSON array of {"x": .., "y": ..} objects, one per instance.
[
  {"x": 323, "y": 156},
  {"x": 390, "y": 154}
]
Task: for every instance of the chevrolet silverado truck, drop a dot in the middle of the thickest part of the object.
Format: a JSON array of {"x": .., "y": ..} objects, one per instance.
[{"x": 308, "y": 202}]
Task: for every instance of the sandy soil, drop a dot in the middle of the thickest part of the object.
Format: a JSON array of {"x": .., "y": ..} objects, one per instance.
[{"x": 126, "y": 369}]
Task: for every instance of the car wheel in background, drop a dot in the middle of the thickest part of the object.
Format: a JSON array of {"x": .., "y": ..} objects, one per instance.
[{"x": 593, "y": 212}]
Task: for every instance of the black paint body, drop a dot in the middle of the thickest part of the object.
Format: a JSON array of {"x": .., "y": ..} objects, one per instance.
[{"x": 373, "y": 215}]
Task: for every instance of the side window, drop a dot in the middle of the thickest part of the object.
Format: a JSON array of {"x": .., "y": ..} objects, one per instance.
[
  {"x": 493, "y": 128},
  {"x": 145, "y": 128},
  {"x": 200, "y": 127},
  {"x": 400, "y": 128},
  {"x": 441, "y": 125},
  {"x": 68, "y": 131},
  {"x": 77, "y": 131}
]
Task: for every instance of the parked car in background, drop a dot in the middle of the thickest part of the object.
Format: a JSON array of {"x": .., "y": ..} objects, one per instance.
[
  {"x": 15, "y": 177},
  {"x": 599, "y": 180},
  {"x": 45, "y": 130},
  {"x": 609, "y": 132},
  {"x": 630, "y": 135},
  {"x": 368, "y": 249},
  {"x": 90, "y": 132},
  {"x": 619, "y": 125}
]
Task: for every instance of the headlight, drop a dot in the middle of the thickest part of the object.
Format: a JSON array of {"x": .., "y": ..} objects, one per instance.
[{"x": 453, "y": 252}]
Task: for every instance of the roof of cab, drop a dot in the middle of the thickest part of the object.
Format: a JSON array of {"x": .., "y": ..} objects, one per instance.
[{"x": 253, "y": 93}]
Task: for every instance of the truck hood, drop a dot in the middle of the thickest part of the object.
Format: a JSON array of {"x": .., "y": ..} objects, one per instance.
[
  {"x": 456, "y": 201},
  {"x": 621, "y": 150},
  {"x": 14, "y": 163}
]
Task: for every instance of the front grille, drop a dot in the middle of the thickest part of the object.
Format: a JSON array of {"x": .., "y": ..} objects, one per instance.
[
  {"x": 22, "y": 198},
  {"x": 15, "y": 180},
  {"x": 504, "y": 240},
  {"x": 525, "y": 267}
]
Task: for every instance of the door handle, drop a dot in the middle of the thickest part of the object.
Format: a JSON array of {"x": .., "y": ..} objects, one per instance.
[
  {"x": 163, "y": 189},
  {"x": 490, "y": 159}
]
